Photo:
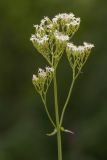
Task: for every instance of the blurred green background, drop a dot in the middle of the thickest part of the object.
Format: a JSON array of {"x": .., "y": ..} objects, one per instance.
[{"x": 23, "y": 123}]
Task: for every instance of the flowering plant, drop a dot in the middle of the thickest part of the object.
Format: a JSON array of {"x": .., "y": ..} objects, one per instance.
[{"x": 52, "y": 39}]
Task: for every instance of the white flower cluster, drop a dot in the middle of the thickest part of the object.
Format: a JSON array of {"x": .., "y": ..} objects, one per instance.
[
  {"x": 45, "y": 20},
  {"x": 43, "y": 73},
  {"x": 43, "y": 77},
  {"x": 49, "y": 69},
  {"x": 75, "y": 22},
  {"x": 64, "y": 16},
  {"x": 68, "y": 23},
  {"x": 51, "y": 36},
  {"x": 39, "y": 40},
  {"x": 61, "y": 37},
  {"x": 80, "y": 49},
  {"x": 78, "y": 55}
]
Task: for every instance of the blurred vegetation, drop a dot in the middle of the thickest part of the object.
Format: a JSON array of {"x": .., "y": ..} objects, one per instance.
[{"x": 23, "y": 123}]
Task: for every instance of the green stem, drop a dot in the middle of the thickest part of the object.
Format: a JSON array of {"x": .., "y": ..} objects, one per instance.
[
  {"x": 46, "y": 109},
  {"x": 66, "y": 103},
  {"x": 57, "y": 119}
]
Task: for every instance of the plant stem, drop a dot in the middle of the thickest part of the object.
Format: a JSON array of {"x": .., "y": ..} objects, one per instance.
[
  {"x": 57, "y": 119},
  {"x": 46, "y": 109},
  {"x": 66, "y": 103}
]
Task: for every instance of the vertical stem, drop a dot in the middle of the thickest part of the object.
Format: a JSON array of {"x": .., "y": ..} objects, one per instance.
[
  {"x": 46, "y": 109},
  {"x": 66, "y": 103},
  {"x": 68, "y": 97},
  {"x": 57, "y": 120}
]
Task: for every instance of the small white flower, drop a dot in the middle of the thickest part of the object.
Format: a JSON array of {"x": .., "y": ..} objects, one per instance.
[
  {"x": 36, "y": 26},
  {"x": 41, "y": 28},
  {"x": 79, "y": 49},
  {"x": 49, "y": 69},
  {"x": 54, "y": 20},
  {"x": 74, "y": 48},
  {"x": 32, "y": 38},
  {"x": 42, "y": 40},
  {"x": 61, "y": 37},
  {"x": 46, "y": 19},
  {"x": 50, "y": 26},
  {"x": 41, "y": 73},
  {"x": 77, "y": 20},
  {"x": 71, "y": 16},
  {"x": 38, "y": 39},
  {"x": 63, "y": 16},
  {"x": 70, "y": 45},
  {"x": 43, "y": 21},
  {"x": 40, "y": 70},
  {"x": 35, "y": 78},
  {"x": 88, "y": 45},
  {"x": 45, "y": 38},
  {"x": 74, "y": 22}
]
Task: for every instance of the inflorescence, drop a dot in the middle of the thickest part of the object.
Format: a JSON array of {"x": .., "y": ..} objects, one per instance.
[
  {"x": 52, "y": 39},
  {"x": 43, "y": 79},
  {"x": 51, "y": 36},
  {"x": 77, "y": 56}
]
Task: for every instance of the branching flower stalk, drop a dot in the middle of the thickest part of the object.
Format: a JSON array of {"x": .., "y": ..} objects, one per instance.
[{"x": 52, "y": 39}]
